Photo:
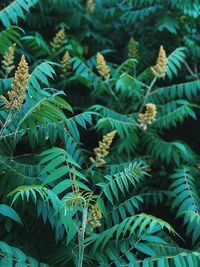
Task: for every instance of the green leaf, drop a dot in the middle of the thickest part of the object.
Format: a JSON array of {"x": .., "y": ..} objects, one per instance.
[
  {"x": 5, "y": 210},
  {"x": 57, "y": 174},
  {"x": 145, "y": 249}
]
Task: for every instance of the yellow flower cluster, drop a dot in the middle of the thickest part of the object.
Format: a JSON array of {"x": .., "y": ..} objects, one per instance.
[
  {"x": 58, "y": 40},
  {"x": 66, "y": 62},
  {"x": 8, "y": 60},
  {"x": 102, "y": 66},
  {"x": 95, "y": 216},
  {"x": 19, "y": 85},
  {"x": 90, "y": 6},
  {"x": 198, "y": 165},
  {"x": 148, "y": 116},
  {"x": 159, "y": 70},
  {"x": 132, "y": 48},
  {"x": 102, "y": 150}
]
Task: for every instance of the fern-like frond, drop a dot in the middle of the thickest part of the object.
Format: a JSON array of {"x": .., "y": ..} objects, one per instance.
[
  {"x": 15, "y": 173},
  {"x": 175, "y": 151},
  {"x": 113, "y": 214},
  {"x": 5, "y": 85},
  {"x": 168, "y": 23},
  {"x": 7, "y": 211},
  {"x": 39, "y": 77},
  {"x": 192, "y": 45},
  {"x": 28, "y": 192},
  {"x": 36, "y": 45},
  {"x": 125, "y": 126},
  {"x": 9, "y": 36},
  {"x": 84, "y": 74},
  {"x": 128, "y": 86},
  {"x": 121, "y": 182},
  {"x": 127, "y": 66},
  {"x": 174, "y": 61},
  {"x": 187, "y": 90},
  {"x": 47, "y": 204},
  {"x": 140, "y": 226},
  {"x": 170, "y": 256},
  {"x": 192, "y": 219},
  {"x": 131, "y": 16},
  {"x": 56, "y": 133},
  {"x": 47, "y": 213},
  {"x": 173, "y": 112},
  {"x": 15, "y": 10},
  {"x": 59, "y": 163},
  {"x": 186, "y": 200},
  {"x": 13, "y": 256},
  {"x": 182, "y": 259},
  {"x": 44, "y": 110},
  {"x": 82, "y": 120}
]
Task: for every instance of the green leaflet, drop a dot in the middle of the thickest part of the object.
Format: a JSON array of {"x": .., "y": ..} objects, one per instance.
[{"x": 5, "y": 210}]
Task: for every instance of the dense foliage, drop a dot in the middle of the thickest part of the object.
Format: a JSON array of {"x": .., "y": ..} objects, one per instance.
[{"x": 99, "y": 143}]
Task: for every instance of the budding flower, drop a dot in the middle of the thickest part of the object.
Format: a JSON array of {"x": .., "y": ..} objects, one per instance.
[
  {"x": 66, "y": 63},
  {"x": 19, "y": 85},
  {"x": 159, "y": 70},
  {"x": 132, "y": 48},
  {"x": 102, "y": 150},
  {"x": 90, "y": 6},
  {"x": 102, "y": 66},
  {"x": 148, "y": 116},
  {"x": 58, "y": 40},
  {"x": 95, "y": 216},
  {"x": 8, "y": 60}
]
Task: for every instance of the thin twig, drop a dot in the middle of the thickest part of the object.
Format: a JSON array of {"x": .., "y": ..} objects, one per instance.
[
  {"x": 14, "y": 259},
  {"x": 8, "y": 120},
  {"x": 115, "y": 97},
  {"x": 190, "y": 71},
  {"x": 147, "y": 93},
  {"x": 131, "y": 248}
]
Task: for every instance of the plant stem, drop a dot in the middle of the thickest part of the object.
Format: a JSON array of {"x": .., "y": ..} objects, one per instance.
[
  {"x": 190, "y": 71},
  {"x": 82, "y": 236},
  {"x": 147, "y": 93},
  {"x": 114, "y": 95},
  {"x": 8, "y": 120}
]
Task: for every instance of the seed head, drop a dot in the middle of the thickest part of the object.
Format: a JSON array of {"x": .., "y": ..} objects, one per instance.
[
  {"x": 102, "y": 66},
  {"x": 103, "y": 149},
  {"x": 8, "y": 60},
  {"x": 90, "y": 6},
  {"x": 147, "y": 117},
  {"x": 95, "y": 216},
  {"x": 66, "y": 63},
  {"x": 58, "y": 40},
  {"x": 159, "y": 70},
  {"x": 19, "y": 85}
]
